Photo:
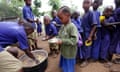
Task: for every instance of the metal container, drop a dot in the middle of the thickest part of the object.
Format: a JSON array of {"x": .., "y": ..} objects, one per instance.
[
  {"x": 41, "y": 67},
  {"x": 52, "y": 43}
]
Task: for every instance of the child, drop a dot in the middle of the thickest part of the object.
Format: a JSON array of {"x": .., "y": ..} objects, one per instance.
[
  {"x": 68, "y": 37},
  {"x": 39, "y": 28},
  {"x": 51, "y": 32},
  {"x": 77, "y": 22},
  {"x": 55, "y": 20},
  {"x": 89, "y": 28},
  {"x": 116, "y": 42},
  {"x": 97, "y": 41},
  {"x": 106, "y": 34}
]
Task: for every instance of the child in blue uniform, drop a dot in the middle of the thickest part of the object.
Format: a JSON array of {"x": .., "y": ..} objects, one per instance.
[
  {"x": 77, "y": 21},
  {"x": 116, "y": 41},
  {"x": 89, "y": 28},
  {"x": 51, "y": 32},
  {"x": 50, "y": 28},
  {"x": 28, "y": 14},
  {"x": 39, "y": 28},
  {"x": 29, "y": 17},
  {"x": 106, "y": 34},
  {"x": 97, "y": 41},
  {"x": 55, "y": 20}
]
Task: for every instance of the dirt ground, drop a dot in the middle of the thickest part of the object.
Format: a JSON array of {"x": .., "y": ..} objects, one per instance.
[{"x": 53, "y": 63}]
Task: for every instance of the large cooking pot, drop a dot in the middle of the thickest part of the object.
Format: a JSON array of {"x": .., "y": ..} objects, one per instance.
[{"x": 30, "y": 66}]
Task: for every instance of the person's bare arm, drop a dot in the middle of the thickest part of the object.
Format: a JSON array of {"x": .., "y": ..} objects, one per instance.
[
  {"x": 29, "y": 54},
  {"x": 92, "y": 33}
]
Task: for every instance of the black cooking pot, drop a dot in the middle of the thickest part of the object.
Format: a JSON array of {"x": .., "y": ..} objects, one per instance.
[{"x": 41, "y": 67}]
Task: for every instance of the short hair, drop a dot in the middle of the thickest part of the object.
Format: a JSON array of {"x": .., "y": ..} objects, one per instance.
[
  {"x": 96, "y": 1},
  {"x": 65, "y": 9},
  {"x": 47, "y": 17},
  {"x": 108, "y": 8}
]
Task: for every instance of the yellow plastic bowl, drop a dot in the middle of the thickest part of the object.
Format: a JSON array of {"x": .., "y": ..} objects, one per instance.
[
  {"x": 102, "y": 18},
  {"x": 87, "y": 43}
]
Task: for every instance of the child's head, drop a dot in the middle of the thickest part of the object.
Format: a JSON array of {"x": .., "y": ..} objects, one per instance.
[
  {"x": 86, "y": 4},
  {"x": 64, "y": 14},
  {"x": 108, "y": 11},
  {"x": 54, "y": 13},
  {"x": 28, "y": 2},
  {"x": 75, "y": 14},
  {"x": 47, "y": 20},
  {"x": 95, "y": 5}
]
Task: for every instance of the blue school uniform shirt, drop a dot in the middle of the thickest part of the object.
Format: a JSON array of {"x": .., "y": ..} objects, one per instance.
[
  {"x": 50, "y": 30},
  {"x": 88, "y": 21},
  {"x": 104, "y": 29},
  {"x": 117, "y": 17},
  {"x": 77, "y": 23},
  {"x": 57, "y": 20},
  {"x": 96, "y": 17},
  {"x": 110, "y": 20},
  {"x": 10, "y": 33},
  {"x": 39, "y": 27},
  {"x": 28, "y": 14}
]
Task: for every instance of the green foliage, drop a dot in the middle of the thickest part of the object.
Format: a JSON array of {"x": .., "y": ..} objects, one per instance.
[
  {"x": 10, "y": 8},
  {"x": 55, "y": 4},
  {"x": 37, "y": 4},
  {"x": 7, "y": 11}
]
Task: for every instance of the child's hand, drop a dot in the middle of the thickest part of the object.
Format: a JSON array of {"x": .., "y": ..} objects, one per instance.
[
  {"x": 43, "y": 39},
  {"x": 89, "y": 38},
  {"x": 59, "y": 42},
  {"x": 37, "y": 21}
]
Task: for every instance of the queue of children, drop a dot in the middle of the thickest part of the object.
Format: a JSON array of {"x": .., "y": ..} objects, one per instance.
[{"x": 72, "y": 29}]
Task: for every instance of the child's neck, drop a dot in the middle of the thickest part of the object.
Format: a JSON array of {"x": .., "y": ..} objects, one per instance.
[
  {"x": 86, "y": 11},
  {"x": 67, "y": 23},
  {"x": 95, "y": 9}
]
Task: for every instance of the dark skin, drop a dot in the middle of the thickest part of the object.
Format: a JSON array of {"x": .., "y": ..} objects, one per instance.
[
  {"x": 54, "y": 13},
  {"x": 14, "y": 51},
  {"x": 47, "y": 22},
  {"x": 28, "y": 31},
  {"x": 64, "y": 18},
  {"x": 95, "y": 6},
  {"x": 27, "y": 51},
  {"x": 29, "y": 3},
  {"x": 107, "y": 13},
  {"x": 86, "y": 6},
  {"x": 75, "y": 15}
]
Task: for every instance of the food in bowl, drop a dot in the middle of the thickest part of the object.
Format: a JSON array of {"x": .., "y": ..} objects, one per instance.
[{"x": 28, "y": 62}]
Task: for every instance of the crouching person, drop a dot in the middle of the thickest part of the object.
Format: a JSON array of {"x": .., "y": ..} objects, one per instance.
[{"x": 10, "y": 33}]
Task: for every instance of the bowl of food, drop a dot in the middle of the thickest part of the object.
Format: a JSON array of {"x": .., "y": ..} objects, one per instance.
[
  {"x": 30, "y": 65},
  {"x": 52, "y": 43}
]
